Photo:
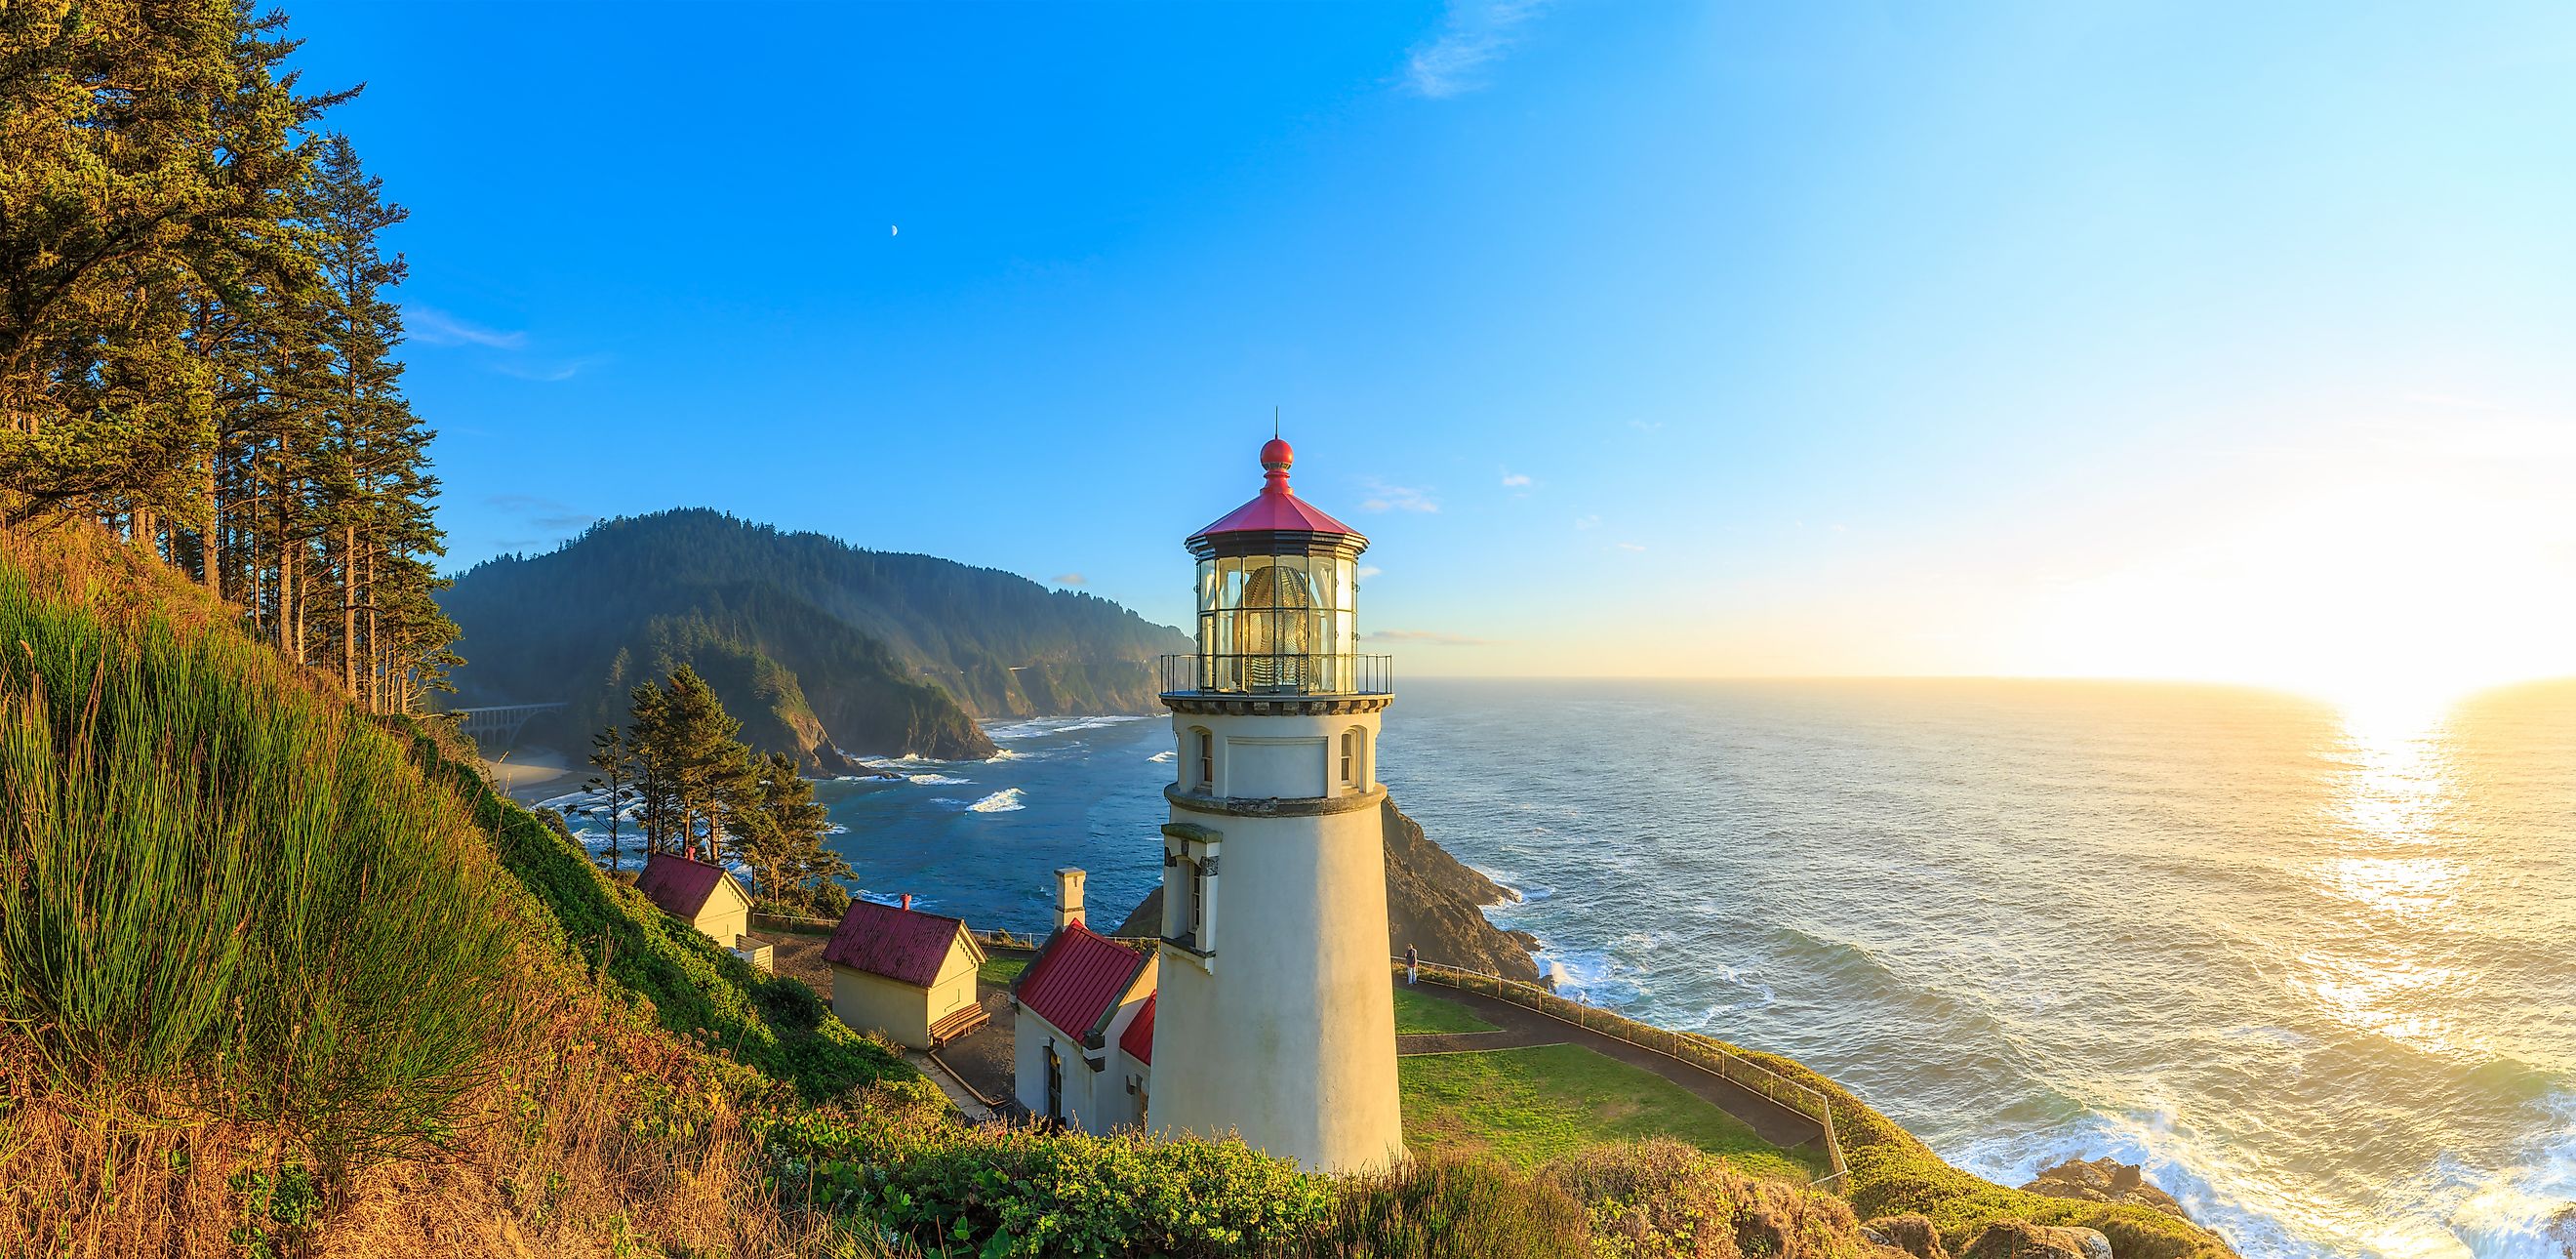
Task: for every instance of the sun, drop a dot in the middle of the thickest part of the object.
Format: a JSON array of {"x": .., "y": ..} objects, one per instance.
[{"x": 2390, "y": 600}]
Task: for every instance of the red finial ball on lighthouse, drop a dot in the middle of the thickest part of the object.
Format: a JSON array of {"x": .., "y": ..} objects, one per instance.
[{"x": 1275, "y": 458}]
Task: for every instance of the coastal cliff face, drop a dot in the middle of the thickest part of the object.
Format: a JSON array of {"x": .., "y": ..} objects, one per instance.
[
  {"x": 825, "y": 651},
  {"x": 1433, "y": 903}
]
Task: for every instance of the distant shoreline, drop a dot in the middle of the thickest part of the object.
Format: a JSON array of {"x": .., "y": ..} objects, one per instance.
[{"x": 528, "y": 772}]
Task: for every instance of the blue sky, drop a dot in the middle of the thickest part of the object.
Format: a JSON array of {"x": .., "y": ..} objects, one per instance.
[{"x": 2160, "y": 340}]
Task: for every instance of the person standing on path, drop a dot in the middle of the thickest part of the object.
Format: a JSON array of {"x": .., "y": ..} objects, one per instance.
[{"x": 1412, "y": 965}]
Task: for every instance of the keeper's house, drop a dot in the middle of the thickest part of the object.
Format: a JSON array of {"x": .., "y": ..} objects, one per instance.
[
  {"x": 1080, "y": 1060},
  {"x": 701, "y": 895},
  {"x": 905, "y": 973}
]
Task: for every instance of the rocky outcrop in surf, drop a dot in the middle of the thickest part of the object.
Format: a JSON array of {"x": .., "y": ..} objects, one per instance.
[{"x": 2104, "y": 1180}]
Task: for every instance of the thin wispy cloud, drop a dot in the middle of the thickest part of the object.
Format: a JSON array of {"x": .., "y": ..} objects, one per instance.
[
  {"x": 1070, "y": 579},
  {"x": 551, "y": 519},
  {"x": 1587, "y": 522},
  {"x": 431, "y": 326},
  {"x": 1516, "y": 480},
  {"x": 1385, "y": 497},
  {"x": 1366, "y": 571},
  {"x": 1646, "y": 426},
  {"x": 1632, "y": 546},
  {"x": 552, "y": 372},
  {"x": 1473, "y": 35},
  {"x": 1434, "y": 638}
]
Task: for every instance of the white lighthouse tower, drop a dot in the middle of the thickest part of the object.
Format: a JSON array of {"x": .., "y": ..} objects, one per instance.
[{"x": 1277, "y": 1017}]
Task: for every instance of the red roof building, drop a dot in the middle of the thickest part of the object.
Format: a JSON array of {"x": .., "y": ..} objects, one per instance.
[
  {"x": 699, "y": 894},
  {"x": 1078, "y": 981},
  {"x": 680, "y": 885},
  {"x": 905, "y": 973},
  {"x": 905, "y": 945},
  {"x": 1138, "y": 1040}
]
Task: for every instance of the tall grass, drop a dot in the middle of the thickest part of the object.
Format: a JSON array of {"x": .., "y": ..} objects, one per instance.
[{"x": 214, "y": 878}]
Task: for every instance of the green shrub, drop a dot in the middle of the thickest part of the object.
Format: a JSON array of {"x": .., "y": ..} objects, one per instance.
[
  {"x": 1658, "y": 1198},
  {"x": 948, "y": 1188},
  {"x": 790, "y": 1002},
  {"x": 1450, "y": 1208},
  {"x": 210, "y": 874}
]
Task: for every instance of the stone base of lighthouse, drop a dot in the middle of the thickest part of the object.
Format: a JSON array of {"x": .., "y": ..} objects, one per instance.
[{"x": 1275, "y": 1017}]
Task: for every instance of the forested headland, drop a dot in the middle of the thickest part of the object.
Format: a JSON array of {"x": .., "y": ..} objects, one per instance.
[
  {"x": 198, "y": 336},
  {"x": 819, "y": 646}
]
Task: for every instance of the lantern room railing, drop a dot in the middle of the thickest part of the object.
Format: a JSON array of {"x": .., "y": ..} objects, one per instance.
[{"x": 1278, "y": 674}]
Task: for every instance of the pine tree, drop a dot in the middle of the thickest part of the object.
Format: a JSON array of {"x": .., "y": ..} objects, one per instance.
[
  {"x": 781, "y": 837},
  {"x": 609, "y": 755},
  {"x": 146, "y": 146},
  {"x": 655, "y": 777}
]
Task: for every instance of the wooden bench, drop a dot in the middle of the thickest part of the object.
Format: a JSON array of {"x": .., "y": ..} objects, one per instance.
[{"x": 965, "y": 1020}]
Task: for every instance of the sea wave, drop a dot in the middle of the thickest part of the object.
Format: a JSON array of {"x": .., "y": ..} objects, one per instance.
[
  {"x": 937, "y": 780},
  {"x": 1037, "y": 727},
  {"x": 1007, "y": 800},
  {"x": 1159, "y": 757},
  {"x": 2516, "y": 1214}
]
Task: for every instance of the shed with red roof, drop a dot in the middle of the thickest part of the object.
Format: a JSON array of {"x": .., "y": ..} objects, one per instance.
[
  {"x": 701, "y": 895},
  {"x": 1078, "y": 1005},
  {"x": 908, "y": 974}
]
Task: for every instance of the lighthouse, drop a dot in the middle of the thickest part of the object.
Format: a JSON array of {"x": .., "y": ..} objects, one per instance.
[{"x": 1276, "y": 1014}]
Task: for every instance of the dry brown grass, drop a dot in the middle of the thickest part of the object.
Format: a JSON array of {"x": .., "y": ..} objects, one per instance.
[
  {"x": 592, "y": 1131},
  {"x": 603, "y": 1136}
]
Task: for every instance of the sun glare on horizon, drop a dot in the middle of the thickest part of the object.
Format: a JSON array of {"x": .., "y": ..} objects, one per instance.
[{"x": 2392, "y": 601}]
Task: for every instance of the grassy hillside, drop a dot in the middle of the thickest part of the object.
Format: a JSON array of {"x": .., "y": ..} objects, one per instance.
[
  {"x": 280, "y": 979},
  {"x": 267, "y": 988},
  {"x": 805, "y": 637}
]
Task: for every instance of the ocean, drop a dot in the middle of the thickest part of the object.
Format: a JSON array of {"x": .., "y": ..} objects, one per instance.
[{"x": 2316, "y": 970}]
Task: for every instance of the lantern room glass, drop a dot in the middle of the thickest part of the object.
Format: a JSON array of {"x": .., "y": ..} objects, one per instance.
[{"x": 1276, "y": 624}]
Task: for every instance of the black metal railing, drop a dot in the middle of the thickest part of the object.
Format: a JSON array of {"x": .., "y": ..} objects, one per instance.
[{"x": 1278, "y": 674}]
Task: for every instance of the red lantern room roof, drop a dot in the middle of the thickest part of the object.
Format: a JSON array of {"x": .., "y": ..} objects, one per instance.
[{"x": 1276, "y": 509}]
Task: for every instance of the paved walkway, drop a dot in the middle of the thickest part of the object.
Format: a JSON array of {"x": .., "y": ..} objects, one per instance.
[{"x": 1518, "y": 1027}]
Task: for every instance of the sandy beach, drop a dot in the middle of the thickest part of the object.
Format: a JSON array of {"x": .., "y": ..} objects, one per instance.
[{"x": 529, "y": 772}]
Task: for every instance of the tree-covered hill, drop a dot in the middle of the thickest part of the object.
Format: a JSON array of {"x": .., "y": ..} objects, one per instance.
[{"x": 818, "y": 645}]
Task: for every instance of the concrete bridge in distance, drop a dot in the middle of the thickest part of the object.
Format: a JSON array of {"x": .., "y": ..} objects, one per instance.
[{"x": 502, "y": 721}]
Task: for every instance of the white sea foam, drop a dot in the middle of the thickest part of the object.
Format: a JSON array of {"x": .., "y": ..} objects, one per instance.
[
  {"x": 937, "y": 780},
  {"x": 836, "y": 829},
  {"x": 1007, "y": 800},
  {"x": 1159, "y": 757},
  {"x": 2513, "y": 1214},
  {"x": 1037, "y": 727}
]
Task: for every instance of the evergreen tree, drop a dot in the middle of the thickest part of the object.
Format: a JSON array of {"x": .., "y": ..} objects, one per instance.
[
  {"x": 609, "y": 755},
  {"x": 648, "y": 745},
  {"x": 197, "y": 336},
  {"x": 781, "y": 839}
]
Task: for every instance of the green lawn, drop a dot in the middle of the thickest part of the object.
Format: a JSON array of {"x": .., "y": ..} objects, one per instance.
[
  {"x": 1002, "y": 970},
  {"x": 1418, "y": 1012},
  {"x": 1533, "y": 1104}
]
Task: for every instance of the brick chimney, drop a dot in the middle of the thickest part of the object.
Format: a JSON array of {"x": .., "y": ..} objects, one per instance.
[{"x": 1068, "y": 896}]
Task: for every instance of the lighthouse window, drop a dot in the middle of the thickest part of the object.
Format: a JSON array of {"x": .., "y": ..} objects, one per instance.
[
  {"x": 1350, "y": 755},
  {"x": 1207, "y": 760},
  {"x": 1198, "y": 905}
]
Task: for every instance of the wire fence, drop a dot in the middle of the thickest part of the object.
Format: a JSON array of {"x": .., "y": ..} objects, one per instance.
[{"x": 1681, "y": 1047}]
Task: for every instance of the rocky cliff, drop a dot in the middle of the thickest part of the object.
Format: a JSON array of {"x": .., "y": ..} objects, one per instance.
[
  {"x": 1433, "y": 903},
  {"x": 821, "y": 648}
]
